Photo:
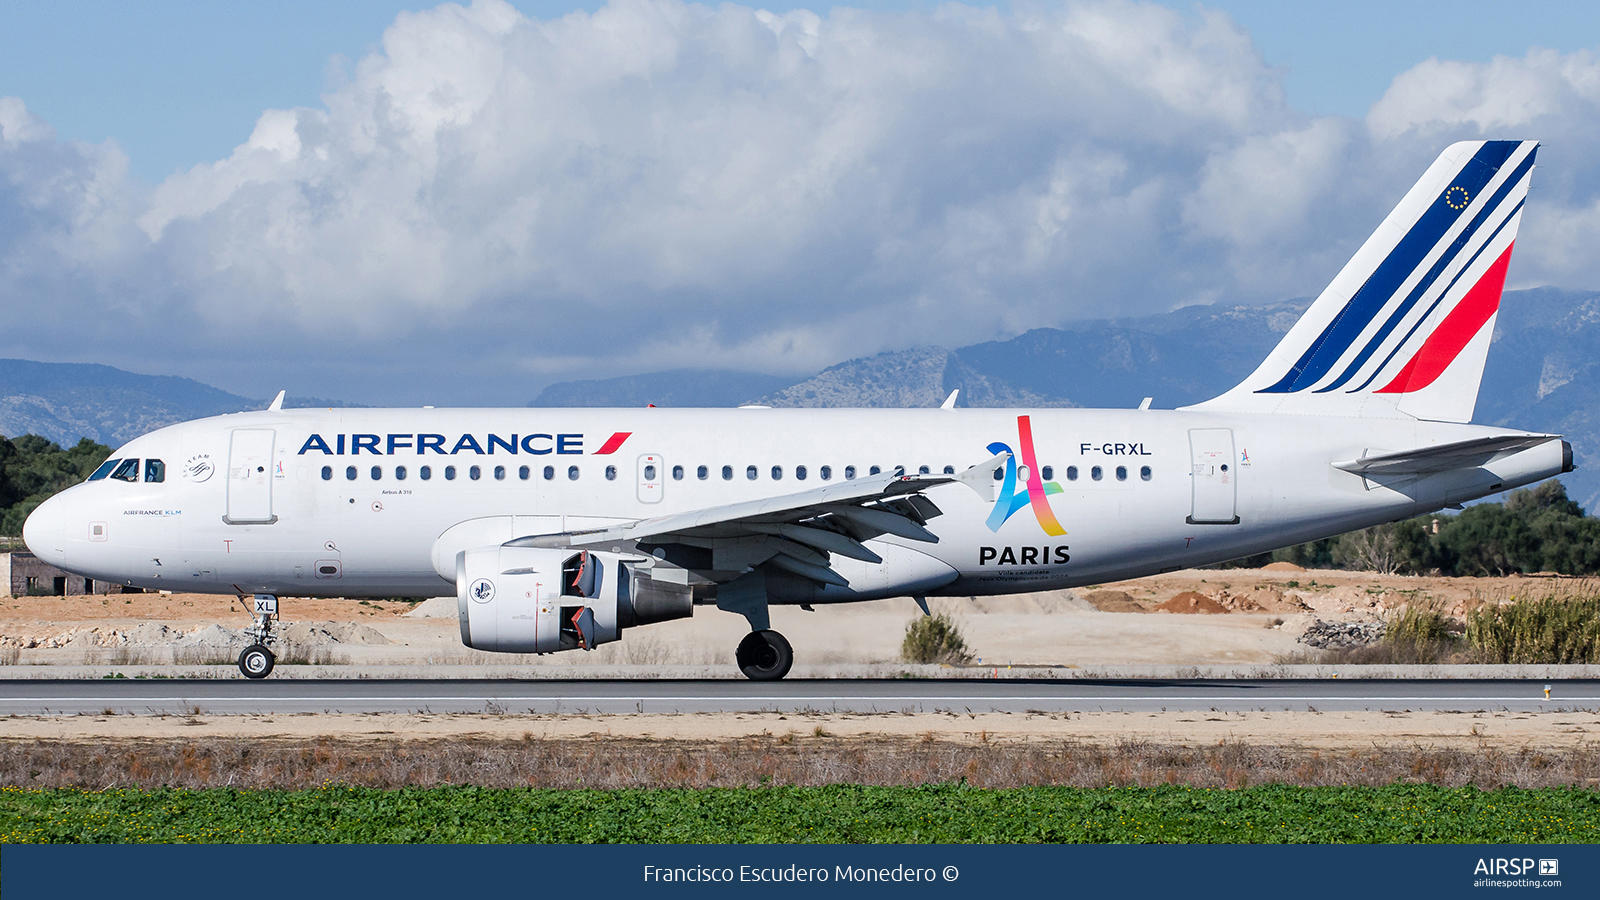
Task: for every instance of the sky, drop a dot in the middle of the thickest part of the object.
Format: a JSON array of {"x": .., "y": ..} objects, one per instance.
[{"x": 414, "y": 204}]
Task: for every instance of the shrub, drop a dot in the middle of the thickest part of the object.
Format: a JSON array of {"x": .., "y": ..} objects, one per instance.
[
  {"x": 1420, "y": 633},
  {"x": 1551, "y": 631},
  {"x": 934, "y": 639}
]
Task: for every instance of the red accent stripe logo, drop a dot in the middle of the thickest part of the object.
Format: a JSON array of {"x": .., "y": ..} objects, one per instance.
[
  {"x": 1453, "y": 334},
  {"x": 613, "y": 443}
]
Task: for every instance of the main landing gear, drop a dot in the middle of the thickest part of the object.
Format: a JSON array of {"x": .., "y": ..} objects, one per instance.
[
  {"x": 257, "y": 659},
  {"x": 764, "y": 655}
]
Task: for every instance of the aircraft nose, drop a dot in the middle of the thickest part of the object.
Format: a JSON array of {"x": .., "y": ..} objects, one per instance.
[{"x": 45, "y": 532}]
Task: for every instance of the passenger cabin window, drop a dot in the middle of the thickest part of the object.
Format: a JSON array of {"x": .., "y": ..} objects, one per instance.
[
  {"x": 874, "y": 470},
  {"x": 474, "y": 473},
  {"x": 1072, "y": 473},
  {"x": 649, "y": 473},
  {"x": 1144, "y": 473},
  {"x": 549, "y": 473},
  {"x": 777, "y": 473},
  {"x": 400, "y": 473},
  {"x": 425, "y": 473},
  {"x": 572, "y": 473},
  {"x": 800, "y": 473},
  {"x": 128, "y": 471},
  {"x": 377, "y": 473},
  {"x": 611, "y": 473},
  {"x": 1096, "y": 473},
  {"x": 524, "y": 473},
  {"x": 749, "y": 473},
  {"x": 104, "y": 470},
  {"x": 702, "y": 473},
  {"x": 350, "y": 473},
  {"x": 825, "y": 473},
  {"x": 677, "y": 473},
  {"x": 849, "y": 472},
  {"x": 155, "y": 471},
  {"x": 727, "y": 473},
  {"x": 1048, "y": 473},
  {"x": 922, "y": 470},
  {"x": 499, "y": 473},
  {"x": 949, "y": 470},
  {"x": 449, "y": 473},
  {"x": 327, "y": 473},
  {"x": 1122, "y": 473}
]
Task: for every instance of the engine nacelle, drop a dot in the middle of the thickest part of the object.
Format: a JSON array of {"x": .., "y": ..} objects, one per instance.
[{"x": 530, "y": 600}]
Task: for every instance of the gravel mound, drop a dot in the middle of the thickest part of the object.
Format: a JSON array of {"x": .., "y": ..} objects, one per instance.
[{"x": 1339, "y": 635}]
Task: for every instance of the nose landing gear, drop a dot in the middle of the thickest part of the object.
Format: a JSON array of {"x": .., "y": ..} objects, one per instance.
[{"x": 257, "y": 659}]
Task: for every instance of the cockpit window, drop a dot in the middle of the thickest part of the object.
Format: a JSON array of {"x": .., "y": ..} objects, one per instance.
[
  {"x": 128, "y": 471},
  {"x": 104, "y": 470},
  {"x": 155, "y": 471}
]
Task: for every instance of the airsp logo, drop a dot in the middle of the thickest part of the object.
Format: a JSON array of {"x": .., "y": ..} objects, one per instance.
[
  {"x": 198, "y": 468},
  {"x": 482, "y": 590}
]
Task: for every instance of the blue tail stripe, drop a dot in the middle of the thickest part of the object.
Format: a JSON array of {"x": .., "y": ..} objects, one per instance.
[
  {"x": 1440, "y": 299},
  {"x": 1427, "y": 281},
  {"x": 1380, "y": 287}
]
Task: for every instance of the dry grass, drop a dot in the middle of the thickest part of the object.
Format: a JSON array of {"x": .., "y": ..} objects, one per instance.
[{"x": 788, "y": 759}]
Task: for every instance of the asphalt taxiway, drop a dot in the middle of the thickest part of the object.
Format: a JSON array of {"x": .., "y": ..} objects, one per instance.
[{"x": 286, "y": 697}]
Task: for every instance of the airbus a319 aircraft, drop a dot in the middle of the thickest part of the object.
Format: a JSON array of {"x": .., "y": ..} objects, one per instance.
[{"x": 561, "y": 528}]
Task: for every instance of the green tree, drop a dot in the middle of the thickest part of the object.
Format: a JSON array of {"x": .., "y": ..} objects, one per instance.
[{"x": 33, "y": 468}]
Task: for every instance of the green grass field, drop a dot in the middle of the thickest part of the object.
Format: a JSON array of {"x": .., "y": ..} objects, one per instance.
[{"x": 1400, "y": 813}]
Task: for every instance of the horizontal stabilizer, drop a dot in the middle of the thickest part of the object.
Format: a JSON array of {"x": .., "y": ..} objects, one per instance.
[{"x": 1442, "y": 457}]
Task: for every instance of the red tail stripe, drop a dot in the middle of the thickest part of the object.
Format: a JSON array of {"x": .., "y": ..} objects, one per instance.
[{"x": 1451, "y": 337}]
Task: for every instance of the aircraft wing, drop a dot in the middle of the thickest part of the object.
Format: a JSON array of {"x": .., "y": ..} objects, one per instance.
[
  {"x": 1442, "y": 457},
  {"x": 795, "y": 532}
]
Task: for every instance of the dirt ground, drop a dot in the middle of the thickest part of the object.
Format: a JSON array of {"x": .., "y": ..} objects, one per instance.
[{"x": 1312, "y": 730}]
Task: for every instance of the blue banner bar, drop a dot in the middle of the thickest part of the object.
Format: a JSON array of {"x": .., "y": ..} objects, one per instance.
[{"x": 431, "y": 872}]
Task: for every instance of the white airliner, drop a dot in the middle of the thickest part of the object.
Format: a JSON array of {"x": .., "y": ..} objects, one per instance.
[{"x": 560, "y": 528}]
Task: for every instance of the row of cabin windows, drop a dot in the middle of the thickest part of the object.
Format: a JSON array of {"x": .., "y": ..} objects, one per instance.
[
  {"x": 1096, "y": 473},
  {"x": 703, "y": 473},
  {"x": 155, "y": 471}
]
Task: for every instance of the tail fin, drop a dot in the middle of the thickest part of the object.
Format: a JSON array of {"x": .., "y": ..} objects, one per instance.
[{"x": 1404, "y": 329}]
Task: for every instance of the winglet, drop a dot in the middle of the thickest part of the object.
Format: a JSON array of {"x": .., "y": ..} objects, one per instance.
[
  {"x": 950, "y": 401},
  {"x": 981, "y": 477},
  {"x": 277, "y": 402}
]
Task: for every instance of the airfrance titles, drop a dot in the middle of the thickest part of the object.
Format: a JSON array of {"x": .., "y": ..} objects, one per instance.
[{"x": 484, "y": 445}]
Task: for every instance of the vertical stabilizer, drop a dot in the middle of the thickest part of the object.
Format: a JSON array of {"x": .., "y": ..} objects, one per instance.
[{"x": 1404, "y": 328}]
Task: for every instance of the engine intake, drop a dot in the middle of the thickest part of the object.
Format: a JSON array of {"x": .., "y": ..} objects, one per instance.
[{"x": 533, "y": 600}]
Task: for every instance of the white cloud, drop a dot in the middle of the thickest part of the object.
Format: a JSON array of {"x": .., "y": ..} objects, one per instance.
[
  {"x": 1549, "y": 96},
  {"x": 663, "y": 184}
]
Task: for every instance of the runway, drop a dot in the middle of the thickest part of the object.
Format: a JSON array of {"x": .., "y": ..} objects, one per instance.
[{"x": 165, "y": 697}]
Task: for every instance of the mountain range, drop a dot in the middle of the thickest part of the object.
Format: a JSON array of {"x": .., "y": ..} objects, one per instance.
[
  {"x": 1543, "y": 374},
  {"x": 68, "y": 401}
]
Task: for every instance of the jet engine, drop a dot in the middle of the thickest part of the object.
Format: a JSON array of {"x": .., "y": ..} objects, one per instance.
[{"x": 535, "y": 600}]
